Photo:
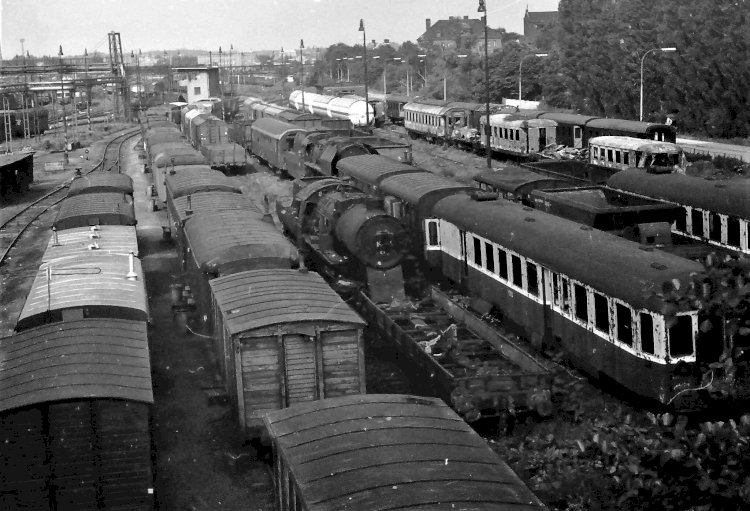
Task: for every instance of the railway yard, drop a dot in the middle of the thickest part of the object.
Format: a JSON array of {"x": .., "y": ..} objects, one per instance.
[{"x": 327, "y": 302}]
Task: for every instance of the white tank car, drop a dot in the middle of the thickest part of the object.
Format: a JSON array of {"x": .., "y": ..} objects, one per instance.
[{"x": 353, "y": 108}]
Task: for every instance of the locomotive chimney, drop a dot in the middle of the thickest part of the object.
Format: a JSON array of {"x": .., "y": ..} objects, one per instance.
[
  {"x": 189, "y": 209},
  {"x": 427, "y": 24},
  {"x": 132, "y": 275}
]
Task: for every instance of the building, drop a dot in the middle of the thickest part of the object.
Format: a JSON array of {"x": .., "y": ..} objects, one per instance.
[
  {"x": 201, "y": 82},
  {"x": 534, "y": 24},
  {"x": 461, "y": 33}
]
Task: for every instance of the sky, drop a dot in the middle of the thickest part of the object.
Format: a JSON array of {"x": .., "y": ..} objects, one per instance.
[{"x": 247, "y": 25}]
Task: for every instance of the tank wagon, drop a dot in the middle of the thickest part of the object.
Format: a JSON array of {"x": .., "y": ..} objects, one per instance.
[{"x": 353, "y": 108}]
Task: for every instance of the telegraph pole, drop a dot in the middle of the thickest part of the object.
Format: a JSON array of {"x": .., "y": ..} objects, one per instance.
[{"x": 62, "y": 101}]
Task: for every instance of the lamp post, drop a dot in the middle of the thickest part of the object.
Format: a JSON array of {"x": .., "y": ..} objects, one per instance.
[
  {"x": 488, "y": 150},
  {"x": 88, "y": 87},
  {"x": 666, "y": 50},
  {"x": 221, "y": 82},
  {"x": 364, "y": 58},
  {"x": 231, "y": 83},
  {"x": 520, "y": 72},
  {"x": 423, "y": 56},
  {"x": 302, "y": 72},
  {"x": 138, "y": 80},
  {"x": 62, "y": 101}
]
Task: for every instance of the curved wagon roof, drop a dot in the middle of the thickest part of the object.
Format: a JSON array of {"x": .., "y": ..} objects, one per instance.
[
  {"x": 255, "y": 299},
  {"x": 101, "y": 182},
  {"x": 213, "y": 201},
  {"x": 383, "y": 452},
  {"x": 198, "y": 179},
  {"x": 107, "y": 239},
  {"x": 373, "y": 168},
  {"x": 88, "y": 358},
  {"x": 103, "y": 208}
]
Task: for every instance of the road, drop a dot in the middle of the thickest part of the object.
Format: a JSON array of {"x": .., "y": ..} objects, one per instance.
[{"x": 715, "y": 149}]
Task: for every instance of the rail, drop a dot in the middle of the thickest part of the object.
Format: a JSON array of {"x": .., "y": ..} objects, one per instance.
[{"x": 14, "y": 227}]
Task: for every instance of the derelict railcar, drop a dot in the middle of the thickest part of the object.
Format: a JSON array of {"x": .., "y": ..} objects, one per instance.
[
  {"x": 287, "y": 338},
  {"x": 223, "y": 243},
  {"x": 714, "y": 212},
  {"x": 271, "y": 139},
  {"x": 101, "y": 181},
  {"x": 181, "y": 209},
  {"x": 380, "y": 451},
  {"x": 427, "y": 120},
  {"x": 102, "y": 208},
  {"x": 510, "y": 134},
  {"x": 622, "y": 153},
  {"x": 394, "y": 108},
  {"x": 89, "y": 285},
  {"x": 596, "y": 295},
  {"x": 516, "y": 183},
  {"x": 75, "y": 410},
  {"x": 206, "y": 130},
  {"x": 16, "y": 173}
]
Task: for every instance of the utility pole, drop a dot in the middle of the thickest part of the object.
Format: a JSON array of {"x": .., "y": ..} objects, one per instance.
[
  {"x": 64, "y": 118},
  {"x": 488, "y": 148},
  {"x": 88, "y": 86},
  {"x": 364, "y": 59},
  {"x": 302, "y": 72}
]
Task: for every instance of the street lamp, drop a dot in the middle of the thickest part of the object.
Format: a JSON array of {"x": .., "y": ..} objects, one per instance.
[
  {"x": 423, "y": 56},
  {"x": 231, "y": 83},
  {"x": 666, "y": 50},
  {"x": 483, "y": 8},
  {"x": 138, "y": 78},
  {"x": 364, "y": 58},
  {"x": 302, "y": 72},
  {"x": 62, "y": 101},
  {"x": 88, "y": 86},
  {"x": 520, "y": 72}
]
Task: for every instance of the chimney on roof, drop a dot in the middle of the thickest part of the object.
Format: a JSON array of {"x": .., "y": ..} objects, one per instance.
[{"x": 427, "y": 24}]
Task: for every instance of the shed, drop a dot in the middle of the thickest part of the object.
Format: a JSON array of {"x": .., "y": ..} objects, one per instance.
[
  {"x": 103, "y": 208},
  {"x": 16, "y": 173},
  {"x": 97, "y": 182},
  {"x": 381, "y": 452},
  {"x": 75, "y": 405},
  {"x": 86, "y": 286},
  {"x": 287, "y": 338},
  {"x": 79, "y": 241}
]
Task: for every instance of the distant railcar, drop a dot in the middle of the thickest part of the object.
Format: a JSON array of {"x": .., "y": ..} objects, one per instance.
[
  {"x": 621, "y": 153},
  {"x": 516, "y": 136},
  {"x": 270, "y": 139}
]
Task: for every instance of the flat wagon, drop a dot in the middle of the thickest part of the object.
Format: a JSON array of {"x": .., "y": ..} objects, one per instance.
[
  {"x": 75, "y": 409},
  {"x": 387, "y": 452},
  {"x": 286, "y": 338}
]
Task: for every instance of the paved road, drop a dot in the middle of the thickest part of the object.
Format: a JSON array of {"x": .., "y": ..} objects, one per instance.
[{"x": 715, "y": 148}]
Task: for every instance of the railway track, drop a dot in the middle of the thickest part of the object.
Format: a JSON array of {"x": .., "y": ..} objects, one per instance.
[{"x": 13, "y": 228}]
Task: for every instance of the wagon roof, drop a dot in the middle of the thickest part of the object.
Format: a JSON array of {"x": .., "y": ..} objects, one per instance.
[
  {"x": 425, "y": 108},
  {"x": 727, "y": 197},
  {"x": 196, "y": 179},
  {"x": 563, "y": 117},
  {"x": 208, "y": 202},
  {"x": 606, "y": 262},
  {"x": 88, "y": 358},
  {"x": 91, "y": 279},
  {"x": 416, "y": 187},
  {"x": 636, "y": 144},
  {"x": 101, "y": 181},
  {"x": 111, "y": 239},
  {"x": 206, "y": 118},
  {"x": 372, "y": 168},
  {"x": 186, "y": 156},
  {"x": 384, "y": 452},
  {"x": 274, "y": 127},
  {"x": 516, "y": 121},
  {"x": 628, "y": 125},
  {"x": 224, "y": 237},
  {"x": 90, "y": 205},
  {"x": 254, "y": 299},
  {"x": 10, "y": 159},
  {"x": 510, "y": 178}
]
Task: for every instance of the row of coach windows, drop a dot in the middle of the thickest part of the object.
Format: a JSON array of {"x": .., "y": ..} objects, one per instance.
[
  {"x": 511, "y": 268},
  {"x": 726, "y": 229},
  {"x": 506, "y": 133},
  {"x": 431, "y": 120},
  {"x": 612, "y": 155}
]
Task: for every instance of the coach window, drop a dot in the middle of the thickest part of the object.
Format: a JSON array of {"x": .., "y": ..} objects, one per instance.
[
  {"x": 617, "y": 156},
  {"x": 554, "y": 278},
  {"x": 609, "y": 155},
  {"x": 432, "y": 233},
  {"x": 502, "y": 263},
  {"x": 624, "y": 324},
  {"x": 681, "y": 222},
  {"x": 647, "y": 333},
  {"x": 581, "y": 302},
  {"x": 697, "y": 217},
  {"x": 714, "y": 226},
  {"x": 565, "y": 288},
  {"x": 681, "y": 337},
  {"x": 517, "y": 273},
  {"x": 518, "y": 134},
  {"x": 596, "y": 153},
  {"x": 477, "y": 251},
  {"x": 490, "y": 257},
  {"x": 532, "y": 279},
  {"x": 601, "y": 313},
  {"x": 626, "y": 157},
  {"x": 733, "y": 231}
]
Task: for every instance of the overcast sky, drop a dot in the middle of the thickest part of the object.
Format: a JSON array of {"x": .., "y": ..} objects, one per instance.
[{"x": 246, "y": 24}]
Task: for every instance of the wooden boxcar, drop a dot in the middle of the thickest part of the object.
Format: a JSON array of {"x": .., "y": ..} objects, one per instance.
[
  {"x": 97, "y": 182},
  {"x": 75, "y": 408},
  {"x": 287, "y": 338},
  {"x": 103, "y": 208},
  {"x": 383, "y": 452},
  {"x": 87, "y": 286},
  {"x": 270, "y": 139}
]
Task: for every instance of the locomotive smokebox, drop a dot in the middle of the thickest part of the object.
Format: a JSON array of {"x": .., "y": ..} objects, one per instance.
[{"x": 374, "y": 237}]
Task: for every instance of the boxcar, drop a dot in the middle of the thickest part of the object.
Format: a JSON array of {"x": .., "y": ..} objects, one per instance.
[
  {"x": 381, "y": 452},
  {"x": 207, "y": 130},
  {"x": 96, "y": 182},
  {"x": 104, "y": 208},
  {"x": 286, "y": 337},
  {"x": 75, "y": 406},
  {"x": 714, "y": 212},
  {"x": 180, "y": 165},
  {"x": 92, "y": 285},
  {"x": 270, "y": 139},
  {"x": 100, "y": 239}
]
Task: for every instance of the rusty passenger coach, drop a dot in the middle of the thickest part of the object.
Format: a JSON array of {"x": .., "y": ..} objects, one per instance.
[
  {"x": 381, "y": 452},
  {"x": 75, "y": 409},
  {"x": 286, "y": 338}
]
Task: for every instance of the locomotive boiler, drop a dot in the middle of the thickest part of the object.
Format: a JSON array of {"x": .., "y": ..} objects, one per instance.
[{"x": 347, "y": 234}]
